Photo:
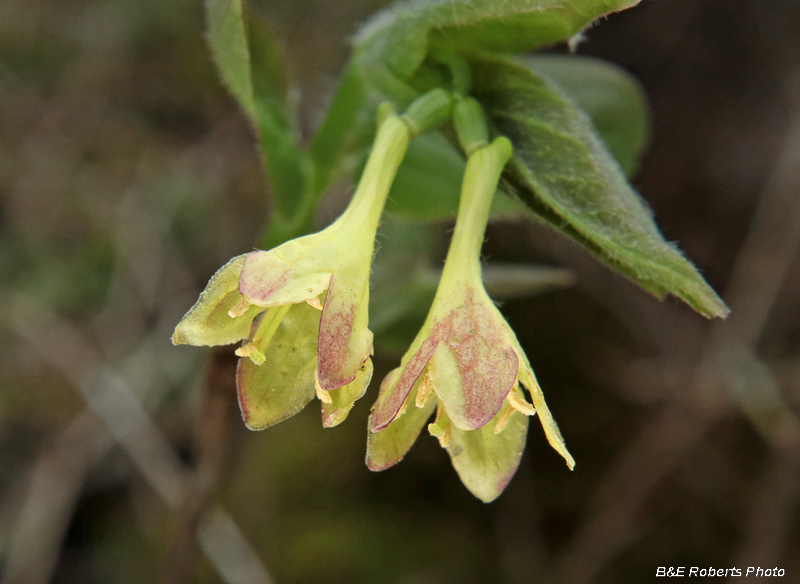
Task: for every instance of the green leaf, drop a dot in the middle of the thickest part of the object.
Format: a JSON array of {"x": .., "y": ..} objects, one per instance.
[
  {"x": 428, "y": 183},
  {"x": 281, "y": 386},
  {"x": 611, "y": 96},
  {"x": 400, "y": 38},
  {"x": 348, "y": 127},
  {"x": 229, "y": 47},
  {"x": 250, "y": 63},
  {"x": 562, "y": 170},
  {"x": 388, "y": 60},
  {"x": 486, "y": 461}
]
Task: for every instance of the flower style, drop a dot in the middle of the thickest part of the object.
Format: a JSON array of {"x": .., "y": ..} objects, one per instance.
[
  {"x": 302, "y": 306},
  {"x": 469, "y": 358}
]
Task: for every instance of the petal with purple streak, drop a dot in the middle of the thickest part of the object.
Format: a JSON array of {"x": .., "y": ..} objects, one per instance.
[
  {"x": 388, "y": 447},
  {"x": 474, "y": 367},
  {"x": 345, "y": 342},
  {"x": 396, "y": 388},
  {"x": 342, "y": 399},
  {"x": 270, "y": 278}
]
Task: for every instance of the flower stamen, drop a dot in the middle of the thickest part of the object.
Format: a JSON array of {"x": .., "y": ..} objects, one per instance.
[
  {"x": 315, "y": 302},
  {"x": 424, "y": 391},
  {"x": 440, "y": 427},
  {"x": 517, "y": 401},
  {"x": 250, "y": 350},
  {"x": 323, "y": 395},
  {"x": 239, "y": 308},
  {"x": 263, "y": 336},
  {"x": 505, "y": 415}
]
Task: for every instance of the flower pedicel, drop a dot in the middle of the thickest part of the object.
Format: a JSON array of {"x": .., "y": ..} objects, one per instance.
[{"x": 465, "y": 362}]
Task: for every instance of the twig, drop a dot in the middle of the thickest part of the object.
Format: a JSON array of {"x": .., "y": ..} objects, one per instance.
[
  {"x": 50, "y": 500},
  {"x": 130, "y": 425},
  {"x": 210, "y": 445}
]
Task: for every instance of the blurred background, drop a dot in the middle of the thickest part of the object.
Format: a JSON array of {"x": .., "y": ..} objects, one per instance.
[{"x": 127, "y": 177}]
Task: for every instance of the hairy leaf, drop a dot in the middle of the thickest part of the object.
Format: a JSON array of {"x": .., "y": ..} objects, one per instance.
[
  {"x": 563, "y": 171},
  {"x": 392, "y": 47},
  {"x": 610, "y": 95},
  {"x": 250, "y": 63},
  {"x": 401, "y": 37}
]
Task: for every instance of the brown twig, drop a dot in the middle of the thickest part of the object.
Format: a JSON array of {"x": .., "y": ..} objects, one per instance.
[
  {"x": 51, "y": 496},
  {"x": 129, "y": 424}
]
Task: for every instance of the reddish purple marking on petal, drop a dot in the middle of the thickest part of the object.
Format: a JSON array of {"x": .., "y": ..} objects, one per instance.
[
  {"x": 333, "y": 342},
  {"x": 391, "y": 400},
  {"x": 241, "y": 394},
  {"x": 256, "y": 286},
  {"x": 488, "y": 366}
]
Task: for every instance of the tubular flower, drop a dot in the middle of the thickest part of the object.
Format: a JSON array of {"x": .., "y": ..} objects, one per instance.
[
  {"x": 465, "y": 363},
  {"x": 302, "y": 306}
]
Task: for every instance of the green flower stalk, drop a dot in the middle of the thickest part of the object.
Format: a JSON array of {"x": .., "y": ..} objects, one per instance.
[
  {"x": 302, "y": 306},
  {"x": 465, "y": 362}
]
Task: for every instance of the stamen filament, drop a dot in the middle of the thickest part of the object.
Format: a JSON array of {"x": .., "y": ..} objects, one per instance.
[
  {"x": 424, "y": 391},
  {"x": 505, "y": 415},
  {"x": 239, "y": 308},
  {"x": 266, "y": 330},
  {"x": 517, "y": 401}
]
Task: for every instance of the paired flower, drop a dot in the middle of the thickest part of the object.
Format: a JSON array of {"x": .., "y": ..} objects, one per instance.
[
  {"x": 468, "y": 357},
  {"x": 306, "y": 301},
  {"x": 302, "y": 309}
]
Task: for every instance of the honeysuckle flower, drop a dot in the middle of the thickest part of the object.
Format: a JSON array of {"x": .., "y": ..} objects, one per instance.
[
  {"x": 302, "y": 306},
  {"x": 468, "y": 356}
]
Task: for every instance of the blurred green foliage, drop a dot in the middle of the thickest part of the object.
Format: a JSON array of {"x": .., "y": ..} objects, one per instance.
[{"x": 127, "y": 176}]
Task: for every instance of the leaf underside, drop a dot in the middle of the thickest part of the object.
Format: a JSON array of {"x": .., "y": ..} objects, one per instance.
[{"x": 562, "y": 170}]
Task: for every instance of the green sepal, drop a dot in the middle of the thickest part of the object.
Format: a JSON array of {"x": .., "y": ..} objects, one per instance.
[
  {"x": 485, "y": 461},
  {"x": 282, "y": 386},
  {"x": 207, "y": 323},
  {"x": 562, "y": 170}
]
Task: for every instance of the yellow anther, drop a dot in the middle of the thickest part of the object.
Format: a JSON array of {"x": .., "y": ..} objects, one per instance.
[
  {"x": 424, "y": 391},
  {"x": 435, "y": 430},
  {"x": 315, "y": 302},
  {"x": 324, "y": 396},
  {"x": 442, "y": 434},
  {"x": 250, "y": 350},
  {"x": 239, "y": 308},
  {"x": 444, "y": 441},
  {"x": 519, "y": 403}
]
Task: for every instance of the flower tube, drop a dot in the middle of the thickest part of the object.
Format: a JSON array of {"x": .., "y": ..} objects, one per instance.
[
  {"x": 302, "y": 306},
  {"x": 465, "y": 362}
]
